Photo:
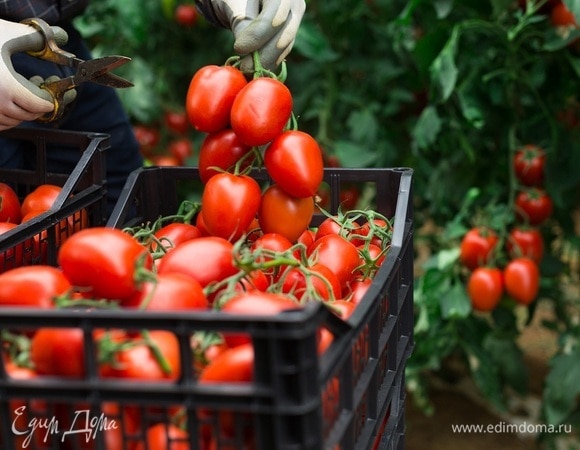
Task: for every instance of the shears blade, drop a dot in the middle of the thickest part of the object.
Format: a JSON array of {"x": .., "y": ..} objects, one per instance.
[{"x": 98, "y": 71}]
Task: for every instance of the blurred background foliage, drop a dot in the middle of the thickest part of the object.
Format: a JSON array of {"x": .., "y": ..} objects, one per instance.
[{"x": 448, "y": 87}]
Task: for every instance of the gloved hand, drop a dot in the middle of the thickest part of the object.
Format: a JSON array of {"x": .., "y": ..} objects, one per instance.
[
  {"x": 269, "y": 26},
  {"x": 21, "y": 99}
]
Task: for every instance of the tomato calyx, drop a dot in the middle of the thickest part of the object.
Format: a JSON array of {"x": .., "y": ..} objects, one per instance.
[{"x": 16, "y": 348}]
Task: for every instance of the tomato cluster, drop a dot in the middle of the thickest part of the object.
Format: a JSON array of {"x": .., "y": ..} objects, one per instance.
[
  {"x": 249, "y": 123},
  {"x": 175, "y": 265},
  {"x": 522, "y": 244}
]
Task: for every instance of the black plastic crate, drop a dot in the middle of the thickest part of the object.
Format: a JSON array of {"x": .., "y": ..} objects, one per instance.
[
  {"x": 351, "y": 397},
  {"x": 80, "y": 204}
]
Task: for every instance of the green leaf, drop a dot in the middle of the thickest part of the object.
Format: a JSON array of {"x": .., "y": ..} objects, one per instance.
[
  {"x": 443, "y": 70},
  {"x": 443, "y": 8},
  {"x": 313, "y": 44},
  {"x": 509, "y": 360},
  {"x": 427, "y": 128},
  {"x": 575, "y": 61},
  {"x": 455, "y": 303},
  {"x": 354, "y": 155},
  {"x": 363, "y": 125},
  {"x": 562, "y": 386}
]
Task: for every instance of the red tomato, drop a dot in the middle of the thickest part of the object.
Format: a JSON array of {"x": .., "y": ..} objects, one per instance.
[
  {"x": 104, "y": 261},
  {"x": 221, "y": 149},
  {"x": 162, "y": 436},
  {"x": 210, "y": 96},
  {"x": 485, "y": 288},
  {"x": 527, "y": 242},
  {"x": 12, "y": 257},
  {"x": 32, "y": 286},
  {"x": 261, "y": 110},
  {"x": 561, "y": 16},
  {"x": 40, "y": 199},
  {"x": 139, "y": 361},
  {"x": 376, "y": 232},
  {"x": 357, "y": 289},
  {"x": 9, "y": 205},
  {"x": 477, "y": 247},
  {"x": 234, "y": 365},
  {"x": 230, "y": 204},
  {"x": 338, "y": 254},
  {"x": 342, "y": 308},
  {"x": 170, "y": 292},
  {"x": 255, "y": 303},
  {"x": 177, "y": 121},
  {"x": 165, "y": 161},
  {"x": 206, "y": 259},
  {"x": 529, "y": 164},
  {"x": 294, "y": 161},
  {"x": 171, "y": 235},
  {"x": 330, "y": 225},
  {"x": 522, "y": 280},
  {"x": 180, "y": 149},
  {"x": 186, "y": 16},
  {"x": 372, "y": 256},
  {"x": 534, "y": 206},
  {"x": 147, "y": 137},
  {"x": 348, "y": 197},
  {"x": 307, "y": 237},
  {"x": 58, "y": 351},
  {"x": 284, "y": 214},
  {"x": 317, "y": 282}
]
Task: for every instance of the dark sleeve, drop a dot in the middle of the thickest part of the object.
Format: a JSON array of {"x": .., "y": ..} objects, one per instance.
[
  {"x": 206, "y": 9},
  {"x": 52, "y": 11}
]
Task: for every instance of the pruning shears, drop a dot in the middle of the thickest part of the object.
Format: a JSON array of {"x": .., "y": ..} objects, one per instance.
[{"x": 93, "y": 70}]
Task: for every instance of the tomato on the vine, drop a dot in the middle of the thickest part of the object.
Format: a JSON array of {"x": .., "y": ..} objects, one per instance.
[
  {"x": 206, "y": 259},
  {"x": 210, "y": 96},
  {"x": 171, "y": 235},
  {"x": 234, "y": 364},
  {"x": 9, "y": 205},
  {"x": 261, "y": 110},
  {"x": 168, "y": 292},
  {"x": 524, "y": 241},
  {"x": 485, "y": 288},
  {"x": 222, "y": 150},
  {"x": 148, "y": 138},
  {"x": 284, "y": 214},
  {"x": 534, "y": 206},
  {"x": 529, "y": 165},
  {"x": 186, "y": 15},
  {"x": 104, "y": 261},
  {"x": 522, "y": 280},
  {"x": 316, "y": 282},
  {"x": 294, "y": 161},
  {"x": 477, "y": 246},
  {"x": 561, "y": 16},
  {"x": 58, "y": 351},
  {"x": 32, "y": 286},
  {"x": 338, "y": 254},
  {"x": 229, "y": 204}
]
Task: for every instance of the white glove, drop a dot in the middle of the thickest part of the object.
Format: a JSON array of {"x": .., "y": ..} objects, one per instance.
[
  {"x": 21, "y": 99},
  {"x": 267, "y": 26}
]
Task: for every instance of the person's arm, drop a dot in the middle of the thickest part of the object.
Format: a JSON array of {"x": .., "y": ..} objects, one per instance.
[{"x": 267, "y": 26}]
